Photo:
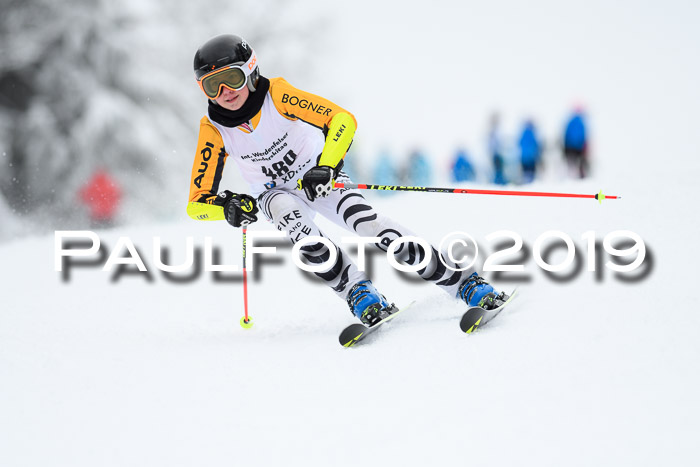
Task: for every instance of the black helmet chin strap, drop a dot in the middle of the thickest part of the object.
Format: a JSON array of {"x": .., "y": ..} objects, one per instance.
[
  {"x": 252, "y": 80},
  {"x": 251, "y": 86}
]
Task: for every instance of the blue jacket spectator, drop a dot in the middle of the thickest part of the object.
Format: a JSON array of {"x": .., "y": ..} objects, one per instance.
[
  {"x": 530, "y": 151},
  {"x": 385, "y": 173},
  {"x": 575, "y": 133},
  {"x": 576, "y": 144},
  {"x": 462, "y": 168},
  {"x": 419, "y": 171}
]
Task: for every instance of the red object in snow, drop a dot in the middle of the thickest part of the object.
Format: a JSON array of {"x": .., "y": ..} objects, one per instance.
[{"x": 102, "y": 195}]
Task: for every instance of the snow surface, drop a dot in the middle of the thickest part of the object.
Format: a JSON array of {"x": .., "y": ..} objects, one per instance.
[
  {"x": 155, "y": 373},
  {"x": 580, "y": 372}
]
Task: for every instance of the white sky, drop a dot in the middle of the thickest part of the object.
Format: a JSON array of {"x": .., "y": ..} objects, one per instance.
[{"x": 430, "y": 73}]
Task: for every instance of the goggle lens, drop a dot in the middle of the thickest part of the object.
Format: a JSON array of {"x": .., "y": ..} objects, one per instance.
[{"x": 233, "y": 78}]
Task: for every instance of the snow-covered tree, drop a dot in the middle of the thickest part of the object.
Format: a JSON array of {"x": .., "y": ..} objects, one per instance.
[{"x": 91, "y": 84}]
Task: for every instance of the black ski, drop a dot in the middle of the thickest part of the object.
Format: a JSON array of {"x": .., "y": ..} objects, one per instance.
[
  {"x": 476, "y": 316},
  {"x": 357, "y": 332}
]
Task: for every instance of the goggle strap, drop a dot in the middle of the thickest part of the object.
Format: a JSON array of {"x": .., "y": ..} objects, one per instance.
[
  {"x": 247, "y": 68},
  {"x": 250, "y": 64}
]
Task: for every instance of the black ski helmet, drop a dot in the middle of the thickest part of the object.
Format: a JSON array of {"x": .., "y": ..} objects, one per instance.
[{"x": 223, "y": 50}]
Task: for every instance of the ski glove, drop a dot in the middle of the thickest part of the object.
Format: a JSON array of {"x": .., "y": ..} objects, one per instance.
[
  {"x": 318, "y": 181},
  {"x": 239, "y": 210}
]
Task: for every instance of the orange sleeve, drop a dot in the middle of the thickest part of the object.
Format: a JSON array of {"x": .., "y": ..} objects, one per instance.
[
  {"x": 296, "y": 104},
  {"x": 208, "y": 163}
]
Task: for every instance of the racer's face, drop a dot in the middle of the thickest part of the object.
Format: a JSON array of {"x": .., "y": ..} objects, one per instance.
[{"x": 233, "y": 100}]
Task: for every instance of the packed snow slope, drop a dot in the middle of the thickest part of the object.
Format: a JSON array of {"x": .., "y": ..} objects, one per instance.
[{"x": 146, "y": 371}]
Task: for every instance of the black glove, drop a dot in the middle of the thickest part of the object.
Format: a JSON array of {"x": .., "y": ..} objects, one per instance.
[
  {"x": 318, "y": 181},
  {"x": 239, "y": 210}
]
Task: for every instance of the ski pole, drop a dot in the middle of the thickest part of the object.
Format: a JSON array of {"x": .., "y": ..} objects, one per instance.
[
  {"x": 425, "y": 189},
  {"x": 246, "y": 321}
]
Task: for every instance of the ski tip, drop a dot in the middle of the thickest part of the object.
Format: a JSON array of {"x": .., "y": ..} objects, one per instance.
[
  {"x": 352, "y": 334},
  {"x": 353, "y": 341},
  {"x": 471, "y": 319},
  {"x": 475, "y": 326}
]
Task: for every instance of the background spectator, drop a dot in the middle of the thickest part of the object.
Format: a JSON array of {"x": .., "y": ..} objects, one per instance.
[
  {"x": 495, "y": 147},
  {"x": 102, "y": 196},
  {"x": 530, "y": 151},
  {"x": 576, "y": 144},
  {"x": 462, "y": 168}
]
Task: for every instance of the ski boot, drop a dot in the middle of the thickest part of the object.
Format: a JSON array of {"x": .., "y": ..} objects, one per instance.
[
  {"x": 475, "y": 291},
  {"x": 368, "y": 304}
]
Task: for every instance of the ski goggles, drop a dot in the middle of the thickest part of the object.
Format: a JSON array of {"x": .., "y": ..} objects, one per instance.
[{"x": 233, "y": 77}]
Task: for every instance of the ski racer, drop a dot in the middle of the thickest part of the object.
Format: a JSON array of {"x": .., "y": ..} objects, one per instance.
[{"x": 289, "y": 146}]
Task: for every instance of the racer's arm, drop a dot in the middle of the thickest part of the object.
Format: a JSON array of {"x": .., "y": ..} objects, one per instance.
[
  {"x": 338, "y": 124},
  {"x": 208, "y": 164},
  {"x": 205, "y": 204},
  {"x": 207, "y": 169}
]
